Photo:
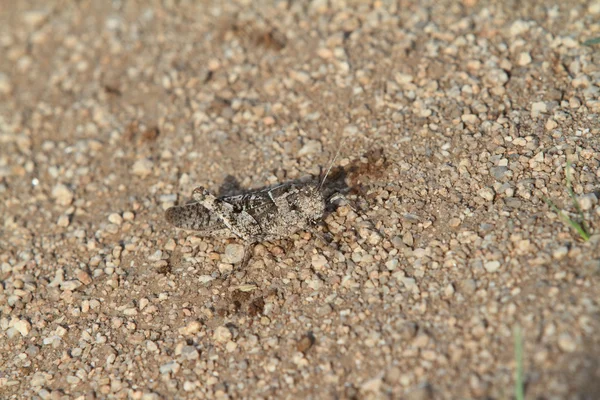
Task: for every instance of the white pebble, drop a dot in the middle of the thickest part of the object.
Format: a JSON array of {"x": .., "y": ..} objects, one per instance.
[
  {"x": 205, "y": 278},
  {"x": 318, "y": 261},
  {"x": 170, "y": 367},
  {"x": 524, "y": 59},
  {"x": 588, "y": 201},
  {"x": 519, "y": 27},
  {"x": 469, "y": 119},
  {"x": 420, "y": 253},
  {"x": 115, "y": 219},
  {"x": 392, "y": 264},
  {"x": 486, "y": 193},
  {"x": 62, "y": 194},
  {"x": 231, "y": 346},
  {"x": 142, "y": 167},
  {"x": 410, "y": 283},
  {"x": 225, "y": 268},
  {"x": 70, "y": 285},
  {"x": 315, "y": 284},
  {"x": 191, "y": 328},
  {"x": 551, "y": 124},
  {"x": 189, "y": 353},
  {"x": 537, "y": 108},
  {"x": 22, "y": 326},
  {"x": 560, "y": 252},
  {"x": 310, "y": 147},
  {"x": 143, "y": 303},
  {"x": 567, "y": 343},
  {"x": 234, "y": 253},
  {"x": 60, "y": 331},
  {"x": 63, "y": 221},
  {"x": 129, "y": 312},
  {"x": 222, "y": 334},
  {"x": 492, "y": 266},
  {"x": 151, "y": 346},
  {"x": 403, "y": 79},
  {"x": 156, "y": 256},
  {"x": 449, "y": 290},
  {"x": 520, "y": 141}
]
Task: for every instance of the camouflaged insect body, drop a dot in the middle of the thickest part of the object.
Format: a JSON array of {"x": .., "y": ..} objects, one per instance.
[{"x": 265, "y": 214}]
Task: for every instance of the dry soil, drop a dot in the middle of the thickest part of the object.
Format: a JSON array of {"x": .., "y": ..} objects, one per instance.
[{"x": 455, "y": 121}]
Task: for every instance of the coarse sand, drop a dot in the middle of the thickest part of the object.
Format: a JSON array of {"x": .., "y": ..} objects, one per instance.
[{"x": 456, "y": 122}]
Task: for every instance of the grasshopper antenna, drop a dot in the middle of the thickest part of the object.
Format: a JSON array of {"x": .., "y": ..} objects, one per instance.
[{"x": 331, "y": 164}]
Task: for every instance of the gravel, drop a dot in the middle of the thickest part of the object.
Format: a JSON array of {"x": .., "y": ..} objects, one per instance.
[{"x": 455, "y": 124}]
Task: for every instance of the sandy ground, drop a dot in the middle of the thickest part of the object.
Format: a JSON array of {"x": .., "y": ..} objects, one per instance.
[{"x": 456, "y": 120}]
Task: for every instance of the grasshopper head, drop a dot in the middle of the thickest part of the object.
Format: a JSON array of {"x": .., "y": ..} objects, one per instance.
[{"x": 310, "y": 202}]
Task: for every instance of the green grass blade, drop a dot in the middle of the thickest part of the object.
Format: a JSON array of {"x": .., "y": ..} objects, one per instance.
[
  {"x": 580, "y": 227},
  {"x": 519, "y": 375},
  {"x": 581, "y": 230},
  {"x": 590, "y": 42}
]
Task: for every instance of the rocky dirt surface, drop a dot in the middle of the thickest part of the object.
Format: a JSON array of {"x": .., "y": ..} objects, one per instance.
[{"x": 456, "y": 122}]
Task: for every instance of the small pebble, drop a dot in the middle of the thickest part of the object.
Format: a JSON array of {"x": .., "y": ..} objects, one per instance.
[
  {"x": 410, "y": 283},
  {"x": 83, "y": 277},
  {"x": 170, "y": 245},
  {"x": 70, "y": 285},
  {"x": 234, "y": 253},
  {"x": 324, "y": 310},
  {"x": 115, "y": 219},
  {"x": 62, "y": 194},
  {"x": 142, "y": 167},
  {"x": 189, "y": 353},
  {"x": 538, "y": 108},
  {"x": 492, "y": 266},
  {"x": 222, "y": 334},
  {"x": 588, "y": 201},
  {"x": 23, "y": 327},
  {"x": 310, "y": 147},
  {"x": 392, "y": 264},
  {"x": 524, "y": 59},
  {"x": 441, "y": 243},
  {"x": 551, "y": 124},
  {"x": 318, "y": 261},
  {"x": 470, "y": 119},
  {"x": 156, "y": 256},
  {"x": 449, "y": 290},
  {"x": 454, "y": 222},
  {"x": 305, "y": 343},
  {"x": 407, "y": 239},
  {"x": 566, "y": 343},
  {"x": 171, "y": 367},
  {"x": 63, "y": 221},
  {"x": 560, "y": 252},
  {"x": 191, "y": 329},
  {"x": 486, "y": 193},
  {"x": 231, "y": 346},
  {"x": 225, "y": 269}
]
